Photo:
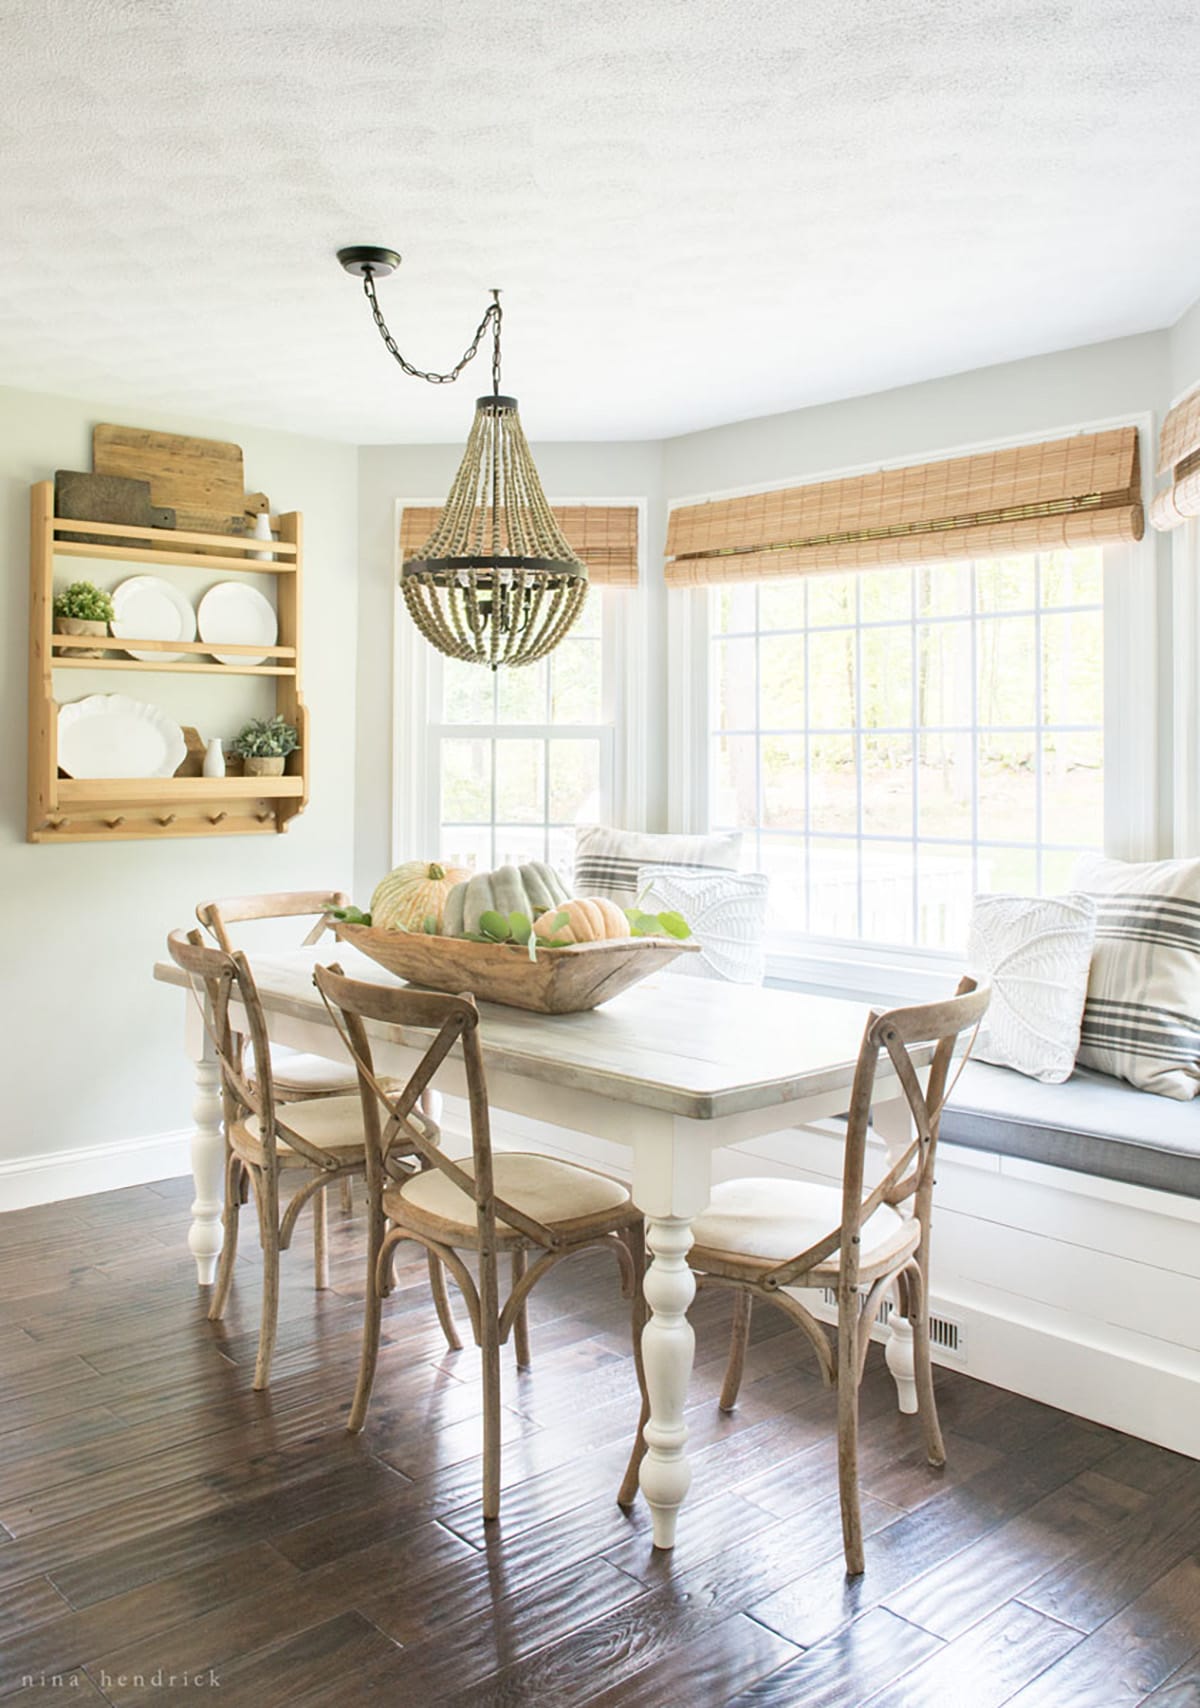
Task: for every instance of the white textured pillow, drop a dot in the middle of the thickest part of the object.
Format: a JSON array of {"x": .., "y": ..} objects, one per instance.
[
  {"x": 607, "y": 861},
  {"x": 1035, "y": 952},
  {"x": 727, "y": 912},
  {"x": 1142, "y": 1020}
]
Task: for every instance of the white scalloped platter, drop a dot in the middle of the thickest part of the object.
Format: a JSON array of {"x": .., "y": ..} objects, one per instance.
[{"x": 111, "y": 735}]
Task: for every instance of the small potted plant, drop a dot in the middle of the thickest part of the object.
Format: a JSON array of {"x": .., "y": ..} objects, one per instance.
[
  {"x": 264, "y": 744},
  {"x": 83, "y": 609}
]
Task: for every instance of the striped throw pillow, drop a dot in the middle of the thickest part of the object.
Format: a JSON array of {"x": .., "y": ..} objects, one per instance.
[
  {"x": 1142, "y": 1018},
  {"x": 607, "y": 861}
]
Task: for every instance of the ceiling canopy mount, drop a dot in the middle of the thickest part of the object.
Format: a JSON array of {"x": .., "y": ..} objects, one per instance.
[{"x": 367, "y": 259}]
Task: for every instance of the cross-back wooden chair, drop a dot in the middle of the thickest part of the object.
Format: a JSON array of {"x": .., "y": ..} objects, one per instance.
[
  {"x": 485, "y": 1203},
  {"x": 765, "y": 1236},
  {"x": 296, "y": 1076},
  {"x": 268, "y": 1143}
]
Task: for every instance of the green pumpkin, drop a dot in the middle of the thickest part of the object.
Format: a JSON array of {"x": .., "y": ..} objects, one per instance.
[{"x": 531, "y": 889}]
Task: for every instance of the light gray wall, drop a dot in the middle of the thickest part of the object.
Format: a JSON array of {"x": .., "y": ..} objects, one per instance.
[
  {"x": 90, "y": 1045},
  {"x": 1043, "y": 394},
  {"x": 423, "y": 472},
  {"x": 1185, "y": 351}
]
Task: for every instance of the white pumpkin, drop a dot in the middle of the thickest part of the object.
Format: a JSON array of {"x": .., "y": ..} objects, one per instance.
[
  {"x": 529, "y": 889},
  {"x": 412, "y": 893}
]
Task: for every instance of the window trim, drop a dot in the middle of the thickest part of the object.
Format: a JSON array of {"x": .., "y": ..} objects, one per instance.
[
  {"x": 1132, "y": 674},
  {"x": 415, "y": 822},
  {"x": 1185, "y": 670}
]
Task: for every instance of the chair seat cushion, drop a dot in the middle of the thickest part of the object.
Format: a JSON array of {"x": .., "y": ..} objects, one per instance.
[
  {"x": 331, "y": 1124},
  {"x": 296, "y": 1070},
  {"x": 761, "y": 1223},
  {"x": 560, "y": 1194}
]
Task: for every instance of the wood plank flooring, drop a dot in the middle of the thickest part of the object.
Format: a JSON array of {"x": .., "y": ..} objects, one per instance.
[{"x": 162, "y": 1527}]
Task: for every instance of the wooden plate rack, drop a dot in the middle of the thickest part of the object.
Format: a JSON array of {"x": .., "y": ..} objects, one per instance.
[{"x": 116, "y": 809}]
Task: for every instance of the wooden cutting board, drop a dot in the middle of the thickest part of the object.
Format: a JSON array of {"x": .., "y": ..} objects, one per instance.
[
  {"x": 107, "y": 498},
  {"x": 202, "y": 480}
]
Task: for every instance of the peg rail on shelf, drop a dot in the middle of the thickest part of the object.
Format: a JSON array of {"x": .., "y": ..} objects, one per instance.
[{"x": 115, "y": 809}]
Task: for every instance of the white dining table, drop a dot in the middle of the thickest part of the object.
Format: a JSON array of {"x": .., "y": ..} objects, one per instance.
[{"x": 673, "y": 1070}]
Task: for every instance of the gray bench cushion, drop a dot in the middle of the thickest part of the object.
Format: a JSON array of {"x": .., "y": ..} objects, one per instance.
[{"x": 1092, "y": 1123}]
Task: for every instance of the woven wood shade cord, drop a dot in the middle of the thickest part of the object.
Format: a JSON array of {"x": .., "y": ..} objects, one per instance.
[
  {"x": 605, "y": 536},
  {"x": 1179, "y": 456},
  {"x": 1067, "y": 492}
]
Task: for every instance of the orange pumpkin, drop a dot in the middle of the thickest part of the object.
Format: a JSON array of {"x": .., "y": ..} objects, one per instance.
[{"x": 591, "y": 920}]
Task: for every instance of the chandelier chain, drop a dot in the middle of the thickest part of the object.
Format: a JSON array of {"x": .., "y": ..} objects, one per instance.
[
  {"x": 496, "y": 582},
  {"x": 492, "y": 318}
]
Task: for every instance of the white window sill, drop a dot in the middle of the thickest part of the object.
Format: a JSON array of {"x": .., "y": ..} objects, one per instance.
[{"x": 867, "y": 972}]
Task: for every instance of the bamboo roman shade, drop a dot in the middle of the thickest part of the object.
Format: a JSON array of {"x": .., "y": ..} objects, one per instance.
[
  {"x": 1067, "y": 492},
  {"x": 604, "y": 535},
  {"x": 1179, "y": 456}
]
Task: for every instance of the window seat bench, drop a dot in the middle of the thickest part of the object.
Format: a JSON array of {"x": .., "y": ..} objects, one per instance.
[
  {"x": 1066, "y": 1238},
  {"x": 1090, "y": 1124}
]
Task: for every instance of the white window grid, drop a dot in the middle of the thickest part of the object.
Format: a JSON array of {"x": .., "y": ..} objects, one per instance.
[
  {"x": 547, "y": 837},
  {"x": 915, "y": 839}
]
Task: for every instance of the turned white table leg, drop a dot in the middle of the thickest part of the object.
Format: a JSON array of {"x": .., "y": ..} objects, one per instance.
[
  {"x": 668, "y": 1349},
  {"x": 892, "y": 1121},
  {"x": 208, "y": 1152},
  {"x": 672, "y": 1178}
]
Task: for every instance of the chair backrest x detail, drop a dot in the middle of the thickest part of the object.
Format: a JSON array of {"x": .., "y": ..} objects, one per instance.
[
  {"x": 221, "y": 980},
  {"x": 890, "y": 1038},
  {"x": 391, "y": 1118}
]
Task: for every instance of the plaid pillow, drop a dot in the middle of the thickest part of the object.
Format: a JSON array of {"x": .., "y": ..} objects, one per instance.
[
  {"x": 1142, "y": 1019},
  {"x": 607, "y": 861}
]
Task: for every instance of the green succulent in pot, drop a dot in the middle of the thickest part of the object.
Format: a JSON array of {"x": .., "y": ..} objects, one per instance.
[
  {"x": 264, "y": 744},
  {"x": 83, "y": 609},
  {"x": 84, "y": 601}
]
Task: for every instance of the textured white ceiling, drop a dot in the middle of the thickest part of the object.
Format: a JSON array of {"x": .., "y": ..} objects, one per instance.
[{"x": 699, "y": 210}]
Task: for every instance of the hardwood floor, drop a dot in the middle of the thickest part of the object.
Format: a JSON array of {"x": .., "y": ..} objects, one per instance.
[{"x": 159, "y": 1521}]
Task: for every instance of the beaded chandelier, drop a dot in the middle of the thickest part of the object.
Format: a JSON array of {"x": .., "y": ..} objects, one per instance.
[{"x": 496, "y": 581}]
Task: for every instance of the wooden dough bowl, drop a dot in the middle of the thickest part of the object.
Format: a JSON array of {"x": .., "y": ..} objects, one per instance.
[{"x": 559, "y": 981}]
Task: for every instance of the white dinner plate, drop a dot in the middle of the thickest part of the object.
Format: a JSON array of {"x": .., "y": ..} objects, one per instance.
[
  {"x": 110, "y": 735},
  {"x": 148, "y": 608},
  {"x": 238, "y": 614}
]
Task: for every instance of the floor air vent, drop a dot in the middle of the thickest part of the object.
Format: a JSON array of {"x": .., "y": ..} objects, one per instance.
[{"x": 946, "y": 1333}]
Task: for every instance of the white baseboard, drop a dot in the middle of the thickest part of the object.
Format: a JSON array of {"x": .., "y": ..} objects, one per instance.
[
  {"x": 1154, "y": 1398},
  {"x": 46, "y": 1179}
]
